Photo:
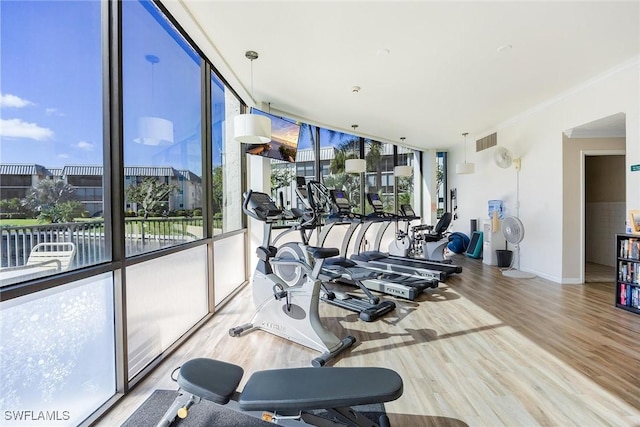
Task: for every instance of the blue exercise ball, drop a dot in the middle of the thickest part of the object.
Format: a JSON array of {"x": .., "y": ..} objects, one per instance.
[{"x": 458, "y": 242}]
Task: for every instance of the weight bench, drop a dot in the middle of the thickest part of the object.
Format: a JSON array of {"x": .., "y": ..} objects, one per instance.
[{"x": 283, "y": 396}]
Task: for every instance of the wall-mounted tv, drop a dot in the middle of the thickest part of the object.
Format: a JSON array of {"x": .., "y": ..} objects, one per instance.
[{"x": 284, "y": 139}]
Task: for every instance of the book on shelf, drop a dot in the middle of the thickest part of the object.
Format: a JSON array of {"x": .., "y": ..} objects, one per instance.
[
  {"x": 623, "y": 294},
  {"x": 630, "y": 248},
  {"x": 635, "y": 296}
]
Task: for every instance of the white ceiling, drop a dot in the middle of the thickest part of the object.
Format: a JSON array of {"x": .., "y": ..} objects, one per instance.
[{"x": 443, "y": 74}]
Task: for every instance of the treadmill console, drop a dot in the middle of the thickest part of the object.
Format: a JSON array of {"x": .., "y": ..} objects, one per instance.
[
  {"x": 407, "y": 210},
  {"x": 339, "y": 199},
  {"x": 375, "y": 202},
  {"x": 261, "y": 206}
]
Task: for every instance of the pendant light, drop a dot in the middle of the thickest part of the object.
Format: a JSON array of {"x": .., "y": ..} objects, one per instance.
[
  {"x": 355, "y": 165},
  {"x": 465, "y": 168},
  {"x": 402, "y": 171},
  {"x": 153, "y": 130},
  {"x": 251, "y": 128}
]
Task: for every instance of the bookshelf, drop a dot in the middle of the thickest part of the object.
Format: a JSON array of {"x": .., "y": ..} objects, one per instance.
[{"x": 628, "y": 272}]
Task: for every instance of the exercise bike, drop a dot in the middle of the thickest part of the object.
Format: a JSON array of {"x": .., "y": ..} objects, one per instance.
[
  {"x": 287, "y": 396},
  {"x": 290, "y": 312},
  {"x": 425, "y": 241}
]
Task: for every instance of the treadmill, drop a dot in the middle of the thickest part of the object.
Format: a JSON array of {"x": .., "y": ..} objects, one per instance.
[
  {"x": 407, "y": 285},
  {"x": 369, "y": 307},
  {"x": 392, "y": 262}
]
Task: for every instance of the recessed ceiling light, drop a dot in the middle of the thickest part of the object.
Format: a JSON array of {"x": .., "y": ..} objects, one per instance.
[
  {"x": 355, "y": 89},
  {"x": 383, "y": 52},
  {"x": 504, "y": 48}
]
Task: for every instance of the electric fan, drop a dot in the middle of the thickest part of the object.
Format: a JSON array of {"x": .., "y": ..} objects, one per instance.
[
  {"x": 513, "y": 232},
  {"x": 502, "y": 157}
]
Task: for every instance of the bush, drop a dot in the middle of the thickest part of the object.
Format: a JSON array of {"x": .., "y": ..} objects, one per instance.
[
  {"x": 197, "y": 212},
  {"x": 129, "y": 213}
]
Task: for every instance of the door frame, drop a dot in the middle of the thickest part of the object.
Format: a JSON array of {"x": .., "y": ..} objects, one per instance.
[{"x": 583, "y": 200}]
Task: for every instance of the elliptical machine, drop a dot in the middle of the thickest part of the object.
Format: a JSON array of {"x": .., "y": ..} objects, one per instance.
[{"x": 290, "y": 312}]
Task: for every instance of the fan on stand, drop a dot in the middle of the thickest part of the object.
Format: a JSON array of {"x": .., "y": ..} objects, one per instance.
[{"x": 513, "y": 232}]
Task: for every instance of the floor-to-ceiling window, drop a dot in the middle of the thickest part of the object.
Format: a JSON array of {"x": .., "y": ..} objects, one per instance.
[
  {"x": 57, "y": 351},
  {"x": 406, "y": 182},
  {"x": 51, "y": 108},
  {"x": 344, "y": 147},
  {"x": 162, "y": 131},
  {"x": 227, "y": 184},
  {"x": 162, "y": 110},
  {"x": 379, "y": 176}
]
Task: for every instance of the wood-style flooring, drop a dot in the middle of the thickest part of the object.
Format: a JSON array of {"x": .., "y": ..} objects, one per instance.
[{"x": 482, "y": 350}]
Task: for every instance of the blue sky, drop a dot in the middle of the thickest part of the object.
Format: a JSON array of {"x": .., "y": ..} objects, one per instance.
[
  {"x": 51, "y": 80},
  {"x": 50, "y": 83}
]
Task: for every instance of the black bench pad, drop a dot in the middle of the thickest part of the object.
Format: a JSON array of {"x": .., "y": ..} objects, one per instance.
[
  {"x": 318, "y": 388},
  {"x": 210, "y": 379}
]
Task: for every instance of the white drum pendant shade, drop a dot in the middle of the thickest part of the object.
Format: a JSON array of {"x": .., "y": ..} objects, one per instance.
[
  {"x": 355, "y": 165},
  {"x": 154, "y": 131},
  {"x": 401, "y": 171},
  {"x": 465, "y": 168},
  {"x": 252, "y": 129}
]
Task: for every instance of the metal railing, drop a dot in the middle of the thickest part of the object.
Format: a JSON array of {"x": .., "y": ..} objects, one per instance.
[{"x": 89, "y": 237}]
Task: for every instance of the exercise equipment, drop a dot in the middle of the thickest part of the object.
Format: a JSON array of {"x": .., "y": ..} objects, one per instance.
[
  {"x": 369, "y": 307},
  {"x": 286, "y": 396},
  {"x": 458, "y": 242},
  {"x": 474, "y": 250},
  {"x": 395, "y": 280},
  {"x": 426, "y": 241},
  {"x": 290, "y": 312},
  {"x": 413, "y": 257}
]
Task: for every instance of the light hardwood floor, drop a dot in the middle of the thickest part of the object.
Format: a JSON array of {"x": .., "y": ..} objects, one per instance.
[{"x": 482, "y": 350}]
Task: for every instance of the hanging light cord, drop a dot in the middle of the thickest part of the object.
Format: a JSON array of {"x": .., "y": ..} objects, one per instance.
[
  {"x": 465, "y": 146},
  {"x": 254, "y": 100}
]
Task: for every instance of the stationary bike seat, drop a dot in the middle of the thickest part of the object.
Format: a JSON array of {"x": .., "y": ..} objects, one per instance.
[
  {"x": 210, "y": 379},
  {"x": 319, "y": 388}
]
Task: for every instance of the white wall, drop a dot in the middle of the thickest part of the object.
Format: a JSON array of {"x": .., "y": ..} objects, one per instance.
[{"x": 552, "y": 244}]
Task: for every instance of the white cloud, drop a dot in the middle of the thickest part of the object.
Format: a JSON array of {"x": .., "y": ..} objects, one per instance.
[
  {"x": 54, "y": 112},
  {"x": 16, "y": 128},
  {"x": 63, "y": 156},
  {"x": 84, "y": 145},
  {"x": 9, "y": 100}
]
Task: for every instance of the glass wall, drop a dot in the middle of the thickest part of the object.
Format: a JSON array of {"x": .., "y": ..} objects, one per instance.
[
  {"x": 405, "y": 157},
  {"x": 162, "y": 131},
  {"x": 379, "y": 175},
  {"x": 178, "y": 301},
  {"x": 344, "y": 146},
  {"x": 226, "y": 160},
  {"x": 57, "y": 357},
  {"x": 441, "y": 183},
  {"x": 51, "y": 189}
]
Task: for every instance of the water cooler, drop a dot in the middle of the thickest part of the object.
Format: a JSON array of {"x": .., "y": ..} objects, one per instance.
[{"x": 493, "y": 239}]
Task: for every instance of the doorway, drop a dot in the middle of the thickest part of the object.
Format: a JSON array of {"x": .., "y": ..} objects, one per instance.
[
  {"x": 604, "y": 213},
  {"x": 598, "y": 206}
]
